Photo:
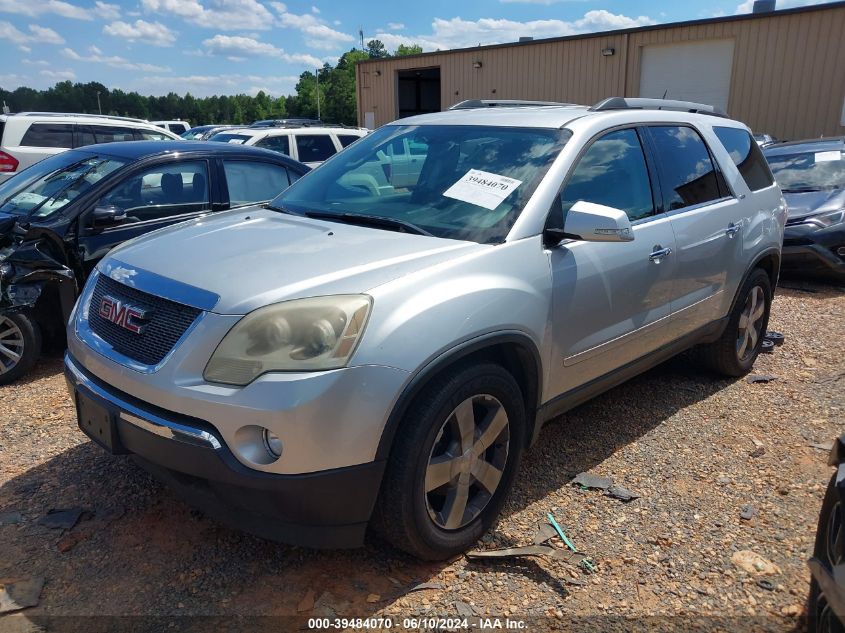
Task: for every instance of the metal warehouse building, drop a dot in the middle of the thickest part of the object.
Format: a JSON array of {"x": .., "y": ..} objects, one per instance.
[{"x": 782, "y": 72}]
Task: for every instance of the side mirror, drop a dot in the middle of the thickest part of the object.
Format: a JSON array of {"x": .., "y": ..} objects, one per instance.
[
  {"x": 592, "y": 222},
  {"x": 107, "y": 215}
]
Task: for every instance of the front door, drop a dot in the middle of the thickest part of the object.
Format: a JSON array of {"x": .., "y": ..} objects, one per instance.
[
  {"x": 611, "y": 301},
  {"x": 151, "y": 198}
]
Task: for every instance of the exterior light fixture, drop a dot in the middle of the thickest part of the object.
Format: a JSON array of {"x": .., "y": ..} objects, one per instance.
[
  {"x": 607, "y": 52},
  {"x": 476, "y": 64},
  {"x": 377, "y": 73}
]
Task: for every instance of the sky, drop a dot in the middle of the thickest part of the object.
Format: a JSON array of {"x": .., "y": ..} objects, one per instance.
[{"x": 210, "y": 47}]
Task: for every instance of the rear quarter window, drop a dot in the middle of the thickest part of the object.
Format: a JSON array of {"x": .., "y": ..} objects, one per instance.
[
  {"x": 49, "y": 135},
  {"x": 313, "y": 148},
  {"x": 747, "y": 157}
]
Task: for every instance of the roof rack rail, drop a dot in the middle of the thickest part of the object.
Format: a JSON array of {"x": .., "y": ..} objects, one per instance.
[
  {"x": 627, "y": 103},
  {"x": 93, "y": 116},
  {"x": 470, "y": 104}
]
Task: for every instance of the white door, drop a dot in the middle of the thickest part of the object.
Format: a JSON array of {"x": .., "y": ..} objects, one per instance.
[{"x": 689, "y": 71}]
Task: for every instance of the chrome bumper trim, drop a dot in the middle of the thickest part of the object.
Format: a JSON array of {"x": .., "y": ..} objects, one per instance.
[{"x": 145, "y": 420}]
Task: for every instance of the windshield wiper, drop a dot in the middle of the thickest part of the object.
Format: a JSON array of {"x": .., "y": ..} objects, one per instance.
[
  {"x": 281, "y": 209},
  {"x": 370, "y": 220}
]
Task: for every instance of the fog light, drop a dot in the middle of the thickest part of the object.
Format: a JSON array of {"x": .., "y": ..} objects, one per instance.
[{"x": 272, "y": 443}]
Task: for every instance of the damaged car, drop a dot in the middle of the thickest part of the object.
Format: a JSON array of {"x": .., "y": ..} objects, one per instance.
[{"x": 62, "y": 215}]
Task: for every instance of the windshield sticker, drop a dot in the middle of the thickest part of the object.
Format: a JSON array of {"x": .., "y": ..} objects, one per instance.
[
  {"x": 482, "y": 188},
  {"x": 824, "y": 157}
]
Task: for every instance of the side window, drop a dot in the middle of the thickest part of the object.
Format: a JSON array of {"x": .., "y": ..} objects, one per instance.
[
  {"x": 279, "y": 144},
  {"x": 162, "y": 191},
  {"x": 687, "y": 174},
  {"x": 251, "y": 181},
  {"x": 347, "y": 139},
  {"x": 314, "y": 148},
  {"x": 612, "y": 172},
  {"x": 747, "y": 157},
  {"x": 84, "y": 136},
  {"x": 48, "y": 135},
  {"x": 112, "y": 134},
  {"x": 149, "y": 135}
]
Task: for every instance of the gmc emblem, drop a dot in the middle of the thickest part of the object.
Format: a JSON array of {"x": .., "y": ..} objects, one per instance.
[{"x": 125, "y": 315}]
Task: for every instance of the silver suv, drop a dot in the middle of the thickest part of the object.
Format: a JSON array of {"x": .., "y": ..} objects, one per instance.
[{"x": 374, "y": 349}]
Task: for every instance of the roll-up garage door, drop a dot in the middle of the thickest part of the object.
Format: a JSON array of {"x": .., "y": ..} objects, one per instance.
[{"x": 690, "y": 71}]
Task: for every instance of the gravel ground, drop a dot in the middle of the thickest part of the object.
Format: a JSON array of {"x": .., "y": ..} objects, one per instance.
[{"x": 696, "y": 450}]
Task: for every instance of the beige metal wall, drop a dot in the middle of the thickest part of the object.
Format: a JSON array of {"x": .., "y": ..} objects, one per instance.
[{"x": 788, "y": 75}]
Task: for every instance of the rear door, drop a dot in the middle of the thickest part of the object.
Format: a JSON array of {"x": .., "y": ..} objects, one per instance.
[
  {"x": 152, "y": 197},
  {"x": 611, "y": 301},
  {"x": 707, "y": 219}
]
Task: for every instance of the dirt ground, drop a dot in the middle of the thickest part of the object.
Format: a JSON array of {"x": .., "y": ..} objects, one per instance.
[{"x": 695, "y": 448}]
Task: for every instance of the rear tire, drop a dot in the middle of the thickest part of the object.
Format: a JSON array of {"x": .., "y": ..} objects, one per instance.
[
  {"x": 734, "y": 353},
  {"x": 453, "y": 462},
  {"x": 20, "y": 345}
]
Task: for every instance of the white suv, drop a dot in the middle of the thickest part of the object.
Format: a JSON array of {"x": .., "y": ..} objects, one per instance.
[
  {"x": 309, "y": 145},
  {"x": 177, "y": 127},
  {"x": 349, "y": 355},
  {"x": 29, "y": 137}
]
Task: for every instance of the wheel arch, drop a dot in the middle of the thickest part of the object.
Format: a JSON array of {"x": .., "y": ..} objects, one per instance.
[
  {"x": 514, "y": 350},
  {"x": 767, "y": 261}
]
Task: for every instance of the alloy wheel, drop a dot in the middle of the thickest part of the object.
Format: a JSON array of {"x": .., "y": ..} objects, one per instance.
[
  {"x": 833, "y": 554},
  {"x": 750, "y": 324},
  {"x": 11, "y": 344},
  {"x": 467, "y": 461}
]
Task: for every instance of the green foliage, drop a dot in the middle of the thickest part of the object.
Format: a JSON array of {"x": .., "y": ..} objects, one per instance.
[
  {"x": 409, "y": 49},
  {"x": 338, "y": 103},
  {"x": 376, "y": 49}
]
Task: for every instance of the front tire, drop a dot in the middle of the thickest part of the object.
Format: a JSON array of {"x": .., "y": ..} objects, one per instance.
[
  {"x": 734, "y": 353},
  {"x": 453, "y": 462},
  {"x": 20, "y": 345}
]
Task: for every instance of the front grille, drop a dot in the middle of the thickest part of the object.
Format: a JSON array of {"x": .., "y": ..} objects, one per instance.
[{"x": 166, "y": 325}]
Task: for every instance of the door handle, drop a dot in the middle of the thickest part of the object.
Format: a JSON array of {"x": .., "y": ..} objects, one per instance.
[
  {"x": 658, "y": 254},
  {"x": 732, "y": 229}
]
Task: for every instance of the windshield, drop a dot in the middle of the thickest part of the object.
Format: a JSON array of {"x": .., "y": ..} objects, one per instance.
[
  {"x": 457, "y": 182},
  {"x": 47, "y": 187},
  {"x": 809, "y": 171},
  {"x": 229, "y": 137}
]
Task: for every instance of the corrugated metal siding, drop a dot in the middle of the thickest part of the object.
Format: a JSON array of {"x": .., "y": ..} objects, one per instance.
[{"x": 788, "y": 75}]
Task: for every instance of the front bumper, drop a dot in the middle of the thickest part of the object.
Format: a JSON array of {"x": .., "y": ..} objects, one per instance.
[
  {"x": 810, "y": 250},
  {"x": 330, "y": 508}
]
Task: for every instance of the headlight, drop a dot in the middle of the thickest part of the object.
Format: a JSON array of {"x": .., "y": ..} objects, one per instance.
[
  {"x": 825, "y": 220},
  {"x": 301, "y": 335}
]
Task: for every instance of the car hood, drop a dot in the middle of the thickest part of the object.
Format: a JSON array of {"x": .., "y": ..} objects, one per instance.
[
  {"x": 802, "y": 204},
  {"x": 254, "y": 257}
]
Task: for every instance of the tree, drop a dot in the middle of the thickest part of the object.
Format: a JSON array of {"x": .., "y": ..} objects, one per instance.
[
  {"x": 375, "y": 49},
  {"x": 410, "y": 49}
]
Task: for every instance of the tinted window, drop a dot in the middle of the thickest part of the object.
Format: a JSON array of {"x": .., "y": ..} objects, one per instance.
[
  {"x": 250, "y": 182},
  {"x": 112, "y": 134},
  {"x": 161, "y": 191},
  {"x": 84, "y": 136},
  {"x": 314, "y": 147},
  {"x": 747, "y": 157},
  {"x": 149, "y": 135},
  {"x": 347, "y": 139},
  {"x": 279, "y": 144},
  {"x": 612, "y": 172},
  {"x": 48, "y": 135},
  {"x": 687, "y": 175}
]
